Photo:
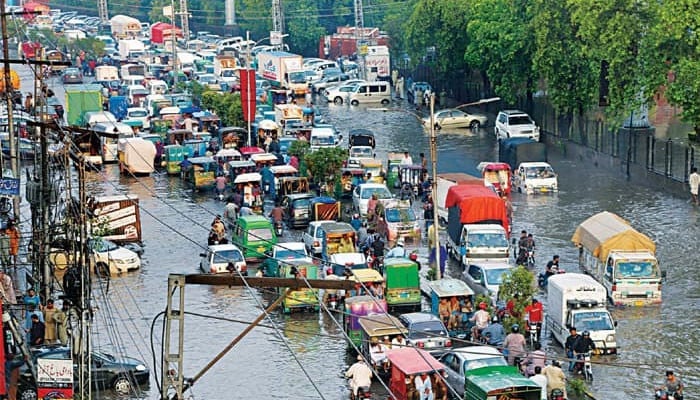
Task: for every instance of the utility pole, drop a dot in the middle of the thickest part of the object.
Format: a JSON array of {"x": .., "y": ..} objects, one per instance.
[
  {"x": 173, "y": 41},
  {"x": 185, "y": 20},
  {"x": 102, "y": 11},
  {"x": 277, "y": 18},
  {"x": 14, "y": 161},
  {"x": 359, "y": 36}
]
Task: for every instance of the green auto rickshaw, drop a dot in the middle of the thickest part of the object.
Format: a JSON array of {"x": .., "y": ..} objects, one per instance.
[
  {"x": 302, "y": 299},
  {"x": 402, "y": 284},
  {"x": 173, "y": 154},
  {"x": 393, "y": 167},
  {"x": 202, "y": 174}
]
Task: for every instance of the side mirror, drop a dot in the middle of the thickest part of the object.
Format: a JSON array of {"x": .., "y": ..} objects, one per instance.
[
  {"x": 202, "y": 254},
  {"x": 663, "y": 275},
  {"x": 615, "y": 323}
]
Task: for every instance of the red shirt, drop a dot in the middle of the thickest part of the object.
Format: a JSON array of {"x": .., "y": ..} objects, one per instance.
[{"x": 534, "y": 311}]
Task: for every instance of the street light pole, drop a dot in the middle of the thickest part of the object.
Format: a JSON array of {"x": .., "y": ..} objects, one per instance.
[{"x": 433, "y": 158}]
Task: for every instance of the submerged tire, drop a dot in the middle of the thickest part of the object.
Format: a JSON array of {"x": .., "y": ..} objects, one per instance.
[{"x": 122, "y": 385}]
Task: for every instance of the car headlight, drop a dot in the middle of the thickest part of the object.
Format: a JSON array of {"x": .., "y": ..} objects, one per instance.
[
  {"x": 610, "y": 338},
  {"x": 119, "y": 261},
  {"x": 140, "y": 368}
]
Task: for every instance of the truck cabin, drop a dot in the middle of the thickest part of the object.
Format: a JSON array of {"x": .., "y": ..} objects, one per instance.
[
  {"x": 479, "y": 239},
  {"x": 619, "y": 266},
  {"x": 589, "y": 316}
]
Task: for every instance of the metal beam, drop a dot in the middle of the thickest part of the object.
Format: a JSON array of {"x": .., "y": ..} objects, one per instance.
[
  {"x": 36, "y": 62},
  {"x": 292, "y": 283}
]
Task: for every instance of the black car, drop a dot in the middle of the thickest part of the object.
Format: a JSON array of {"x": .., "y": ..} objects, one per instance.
[{"x": 121, "y": 374}]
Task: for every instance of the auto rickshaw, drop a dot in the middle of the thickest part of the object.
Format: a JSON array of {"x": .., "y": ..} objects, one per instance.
[
  {"x": 292, "y": 185},
  {"x": 412, "y": 175},
  {"x": 361, "y": 137},
  {"x": 350, "y": 178},
  {"x": 340, "y": 237},
  {"x": 173, "y": 154},
  {"x": 195, "y": 147},
  {"x": 358, "y": 308},
  {"x": 376, "y": 329},
  {"x": 231, "y": 137},
  {"x": 373, "y": 167},
  {"x": 267, "y": 129},
  {"x": 207, "y": 120},
  {"x": 227, "y": 155},
  {"x": 324, "y": 208},
  {"x": 161, "y": 127},
  {"x": 393, "y": 168},
  {"x": 248, "y": 151},
  {"x": 236, "y": 168},
  {"x": 202, "y": 174},
  {"x": 302, "y": 299},
  {"x": 498, "y": 174},
  {"x": 55, "y": 55},
  {"x": 177, "y": 136},
  {"x": 262, "y": 159},
  {"x": 250, "y": 188},
  {"x": 402, "y": 284},
  {"x": 445, "y": 289},
  {"x": 407, "y": 363}
]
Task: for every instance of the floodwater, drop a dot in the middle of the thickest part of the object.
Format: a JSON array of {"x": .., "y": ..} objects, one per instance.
[{"x": 302, "y": 356}]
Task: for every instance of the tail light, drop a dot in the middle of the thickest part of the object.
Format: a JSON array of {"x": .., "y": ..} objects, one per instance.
[
  {"x": 420, "y": 345},
  {"x": 244, "y": 267},
  {"x": 316, "y": 243},
  {"x": 448, "y": 343},
  {"x": 614, "y": 288},
  {"x": 212, "y": 270}
]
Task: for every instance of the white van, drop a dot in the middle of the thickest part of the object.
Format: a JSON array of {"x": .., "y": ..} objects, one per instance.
[
  {"x": 324, "y": 137},
  {"x": 110, "y": 146},
  {"x": 156, "y": 86},
  {"x": 371, "y": 92},
  {"x": 92, "y": 118}
]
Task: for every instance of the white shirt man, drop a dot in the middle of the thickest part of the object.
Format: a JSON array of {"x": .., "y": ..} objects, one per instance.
[
  {"x": 406, "y": 160},
  {"x": 360, "y": 374},
  {"x": 397, "y": 251},
  {"x": 424, "y": 387},
  {"x": 694, "y": 183},
  {"x": 541, "y": 381},
  {"x": 398, "y": 341}
]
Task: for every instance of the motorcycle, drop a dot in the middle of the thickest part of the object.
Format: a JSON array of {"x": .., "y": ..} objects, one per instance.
[
  {"x": 363, "y": 392},
  {"x": 583, "y": 366},
  {"x": 557, "y": 394},
  {"x": 333, "y": 301},
  {"x": 662, "y": 394},
  {"x": 542, "y": 277},
  {"x": 533, "y": 336},
  {"x": 279, "y": 228}
]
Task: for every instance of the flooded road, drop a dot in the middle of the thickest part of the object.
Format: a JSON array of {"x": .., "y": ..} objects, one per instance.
[{"x": 175, "y": 223}]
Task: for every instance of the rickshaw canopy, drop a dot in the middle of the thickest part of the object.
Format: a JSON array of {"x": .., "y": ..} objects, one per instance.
[
  {"x": 268, "y": 125},
  {"x": 250, "y": 150},
  {"x": 283, "y": 169},
  {"x": 249, "y": 177},
  {"x": 412, "y": 361},
  {"x": 449, "y": 287},
  {"x": 241, "y": 164},
  {"x": 263, "y": 157},
  {"x": 228, "y": 153},
  {"x": 366, "y": 275},
  {"x": 202, "y": 161},
  {"x": 379, "y": 325}
]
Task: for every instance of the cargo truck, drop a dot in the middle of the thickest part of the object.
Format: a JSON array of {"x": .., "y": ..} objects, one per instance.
[
  {"x": 225, "y": 68},
  {"x": 477, "y": 224},
  {"x": 81, "y": 99},
  {"x": 620, "y": 258},
  {"x": 120, "y": 215},
  {"x": 514, "y": 151},
  {"x": 283, "y": 70},
  {"x": 578, "y": 301},
  {"x": 445, "y": 181},
  {"x": 131, "y": 49}
]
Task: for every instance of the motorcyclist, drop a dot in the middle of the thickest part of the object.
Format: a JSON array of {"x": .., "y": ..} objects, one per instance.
[
  {"x": 672, "y": 385},
  {"x": 569, "y": 346},
  {"x": 277, "y": 214},
  {"x": 533, "y": 315},
  {"x": 494, "y": 333},
  {"x": 515, "y": 344},
  {"x": 552, "y": 268},
  {"x": 398, "y": 250},
  {"x": 377, "y": 246},
  {"x": 355, "y": 222},
  {"x": 583, "y": 345},
  {"x": 360, "y": 375},
  {"x": 534, "y": 359},
  {"x": 480, "y": 319}
]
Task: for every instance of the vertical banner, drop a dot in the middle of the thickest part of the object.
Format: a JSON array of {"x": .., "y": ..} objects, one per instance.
[{"x": 248, "y": 94}]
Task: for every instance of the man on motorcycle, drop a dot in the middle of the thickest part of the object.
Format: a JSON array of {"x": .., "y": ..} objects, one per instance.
[
  {"x": 555, "y": 377},
  {"x": 360, "y": 375},
  {"x": 481, "y": 320},
  {"x": 569, "y": 346},
  {"x": 533, "y": 315},
  {"x": 673, "y": 385},
  {"x": 277, "y": 214},
  {"x": 534, "y": 359},
  {"x": 583, "y": 345},
  {"x": 398, "y": 250},
  {"x": 494, "y": 333}
]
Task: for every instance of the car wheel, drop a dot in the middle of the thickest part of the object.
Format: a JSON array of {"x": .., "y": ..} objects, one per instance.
[
  {"x": 385, "y": 101},
  {"x": 122, "y": 385},
  {"x": 354, "y": 102},
  {"x": 27, "y": 394},
  {"x": 338, "y": 100},
  {"x": 474, "y": 125}
]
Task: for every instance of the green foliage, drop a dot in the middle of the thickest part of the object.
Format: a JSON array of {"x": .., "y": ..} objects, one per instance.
[
  {"x": 684, "y": 90},
  {"x": 226, "y": 105},
  {"x": 299, "y": 148},
  {"x": 325, "y": 164},
  {"x": 576, "y": 386},
  {"x": 304, "y": 34},
  {"x": 521, "y": 282}
]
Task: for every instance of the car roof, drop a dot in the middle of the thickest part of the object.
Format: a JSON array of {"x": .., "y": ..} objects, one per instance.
[
  {"x": 291, "y": 246},
  {"x": 372, "y": 185},
  {"x": 419, "y": 317},
  {"x": 477, "y": 352},
  {"x": 492, "y": 264},
  {"x": 319, "y": 223},
  {"x": 297, "y": 196},
  {"x": 223, "y": 247},
  {"x": 514, "y": 112},
  {"x": 535, "y": 164}
]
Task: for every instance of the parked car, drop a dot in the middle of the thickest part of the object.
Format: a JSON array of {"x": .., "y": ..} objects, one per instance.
[
  {"x": 107, "y": 257},
  {"x": 514, "y": 123},
  {"x": 462, "y": 360},
  {"x": 426, "y": 331},
  {"x": 321, "y": 85},
  {"x": 108, "y": 371},
  {"x": 72, "y": 75},
  {"x": 364, "y": 191},
  {"x": 217, "y": 258},
  {"x": 339, "y": 94},
  {"x": 454, "y": 118},
  {"x": 486, "y": 277}
]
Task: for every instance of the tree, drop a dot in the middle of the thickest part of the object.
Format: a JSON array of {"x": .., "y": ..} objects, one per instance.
[
  {"x": 519, "y": 281},
  {"x": 303, "y": 27},
  {"x": 227, "y": 106},
  {"x": 324, "y": 165}
]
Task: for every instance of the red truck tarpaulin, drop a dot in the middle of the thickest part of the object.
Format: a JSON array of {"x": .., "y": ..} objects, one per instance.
[
  {"x": 248, "y": 94},
  {"x": 477, "y": 204}
]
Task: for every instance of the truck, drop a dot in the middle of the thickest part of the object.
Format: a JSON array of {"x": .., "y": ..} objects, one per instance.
[
  {"x": 283, "y": 70},
  {"x": 119, "y": 215},
  {"x": 123, "y": 27},
  {"x": 445, "y": 181},
  {"x": 225, "y": 68},
  {"x": 131, "y": 49},
  {"x": 578, "y": 301},
  {"x": 621, "y": 258},
  {"x": 377, "y": 63},
  {"x": 106, "y": 73},
  {"x": 81, "y": 99},
  {"x": 517, "y": 150},
  {"x": 477, "y": 224}
]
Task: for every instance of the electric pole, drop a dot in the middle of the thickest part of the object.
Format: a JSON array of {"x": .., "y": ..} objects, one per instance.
[
  {"x": 14, "y": 161},
  {"x": 277, "y": 17},
  {"x": 185, "y": 20},
  {"x": 359, "y": 36},
  {"x": 102, "y": 11}
]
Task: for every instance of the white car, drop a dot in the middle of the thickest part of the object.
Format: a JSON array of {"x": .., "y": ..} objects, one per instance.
[
  {"x": 514, "y": 123},
  {"x": 535, "y": 177},
  {"x": 462, "y": 360},
  {"x": 486, "y": 277},
  {"x": 359, "y": 153},
  {"x": 106, "y": 256},
  {"x": 339, "y": 94},
  {"x": 453, "y": 118},
  {"x": 353, "y": 260},
  {"x": 217, "y": 257},
  {"x": 312, "y": 237},
  {"x": 291, "y": 251},
  {"x": 364, "y": 191},
  {"x": 138, "y": 114}
]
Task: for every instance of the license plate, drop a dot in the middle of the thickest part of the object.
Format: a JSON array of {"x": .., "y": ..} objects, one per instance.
[
  {"x": 638, "y": 303},
  {"x": 404, "y": 295},
  {"x": 261, "y": 249},
  {"x": 429, "y": 345},
  {"x": 544, "y": 189}
]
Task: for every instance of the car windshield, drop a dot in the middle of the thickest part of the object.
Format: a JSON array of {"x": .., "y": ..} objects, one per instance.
[
  {"x": 637, "y": 269},
  {"x": 289, "y": 254},
  {"x": 103, "y": 245},
  {"x": 259, "y": 234},
  {"x": 138, "y": 113},
  {"x": 301, "y": 203},
  {"x": 322, "y": 140},
  {"x": 382, "y": 192},
  {"x": 427, "y": 329},
  {"x": 495, "y": 276},
  {"x": 228, "y": 73},
  {"x": 484, "y": 362},
  {"x": 593, "y": 321},
  {"x": 520, "y": 120},
  {"x": 539, "y": 172},
  {"x": 400, "y": 215},
  {"x": 361, "y": 152},
  {"x": 297, "y": 77},
  {"x": 224, "y": 256},
  {"x": 487, "y": 240}
]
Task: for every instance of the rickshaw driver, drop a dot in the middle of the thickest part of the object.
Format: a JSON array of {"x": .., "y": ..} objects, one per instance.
[{"x": 360, "y": 375}]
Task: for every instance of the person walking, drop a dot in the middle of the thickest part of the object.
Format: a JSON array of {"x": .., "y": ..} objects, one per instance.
[
  {"x": 694, "y": 183},
  {"x": 14, "y": 236},
  {"x": 37, "y": 331},
  {"x": 60, "y": 318},
  {"x": 50, "y": 326}
]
